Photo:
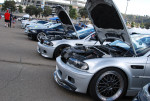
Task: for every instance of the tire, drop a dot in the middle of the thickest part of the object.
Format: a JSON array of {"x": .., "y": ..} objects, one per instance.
[
  {"x": 108, "y": 85},
  {"x": 59, "y": 49},
  {"x": 40, "y": 35}
]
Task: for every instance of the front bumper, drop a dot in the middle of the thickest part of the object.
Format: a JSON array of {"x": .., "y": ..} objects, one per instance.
[
  {"x": 22, "y": 25},
  {"x": 71, "y": 78},
  {"x": 26, "y": 30},
  {"x": 32, "y": 35},
  {"x": 45, "y": 51}
]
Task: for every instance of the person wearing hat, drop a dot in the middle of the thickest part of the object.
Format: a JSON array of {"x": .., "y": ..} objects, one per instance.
[{"x": 7, "y": 18}]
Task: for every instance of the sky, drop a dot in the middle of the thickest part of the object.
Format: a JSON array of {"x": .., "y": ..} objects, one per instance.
[{"x": 135, "y": 7}]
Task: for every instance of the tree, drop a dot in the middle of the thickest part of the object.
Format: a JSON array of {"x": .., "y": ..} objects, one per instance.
[
  {"x": 73, "y": 12},
  {"x": 132, "y": 24},
  {"x": 30, "y": 10},
  {"x": 47, "y": 11},
  {"x": 9, "y": 5},
  {"x": 37, "y": 11},
  {"x": 83, "y": 13},
  {"x": 20, "y": 9},
  {"x": 142, "y": 25},
  {"x": 147, "y": 25}
]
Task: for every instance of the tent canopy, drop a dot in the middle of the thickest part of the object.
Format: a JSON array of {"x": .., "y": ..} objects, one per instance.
[{"x": 54, "y": 18}]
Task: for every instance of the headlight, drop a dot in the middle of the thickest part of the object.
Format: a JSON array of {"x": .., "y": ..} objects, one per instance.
[
  {"x": 33, "y": 31},
  {"x": 77, "y": 63},
  {"x": 48, "y": 43}
]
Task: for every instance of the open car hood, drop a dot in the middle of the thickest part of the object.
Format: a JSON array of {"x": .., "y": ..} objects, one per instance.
[
  {"x": 107, "y": 21},
  {"x": 65, "y": 19}
]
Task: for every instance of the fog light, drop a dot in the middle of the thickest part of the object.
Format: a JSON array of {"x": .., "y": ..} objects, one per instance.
[
  {"x": 45, "y": 51},
  {"x": 71, "y": 79}
]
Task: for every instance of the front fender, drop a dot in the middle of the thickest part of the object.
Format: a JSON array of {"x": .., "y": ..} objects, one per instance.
[{"x": 96, "y": 65}]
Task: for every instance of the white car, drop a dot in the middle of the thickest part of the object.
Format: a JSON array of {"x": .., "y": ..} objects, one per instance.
[
  {"x": 38, "y": 26},
  {"x": 2, "y": 16},
  {"x": 52, "y": 49},
  {"x": 106, "y": 72},
  {"x": 26, "y": 22}
]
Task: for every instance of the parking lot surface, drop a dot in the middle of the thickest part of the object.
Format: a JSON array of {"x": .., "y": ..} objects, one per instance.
[{"x": 27, "y": 76}]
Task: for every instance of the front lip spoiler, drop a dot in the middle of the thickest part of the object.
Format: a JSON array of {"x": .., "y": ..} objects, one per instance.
[{"x": 63, "y": 83}]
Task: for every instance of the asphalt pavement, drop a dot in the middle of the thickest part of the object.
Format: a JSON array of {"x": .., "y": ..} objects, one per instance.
[{"x": 27, "y": 76}]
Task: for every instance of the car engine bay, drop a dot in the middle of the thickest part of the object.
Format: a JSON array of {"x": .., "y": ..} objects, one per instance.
[{"x": 83, "y": 52}]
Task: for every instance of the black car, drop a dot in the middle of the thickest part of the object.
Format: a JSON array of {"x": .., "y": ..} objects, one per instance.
[{"x": 56, "y": 29}]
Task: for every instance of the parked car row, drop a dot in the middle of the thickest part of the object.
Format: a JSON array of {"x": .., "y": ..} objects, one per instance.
[{"x": 107, "y": 60}]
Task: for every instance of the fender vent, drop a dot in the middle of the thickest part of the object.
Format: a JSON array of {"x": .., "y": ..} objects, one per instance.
[{"x": 137, "y": 67}]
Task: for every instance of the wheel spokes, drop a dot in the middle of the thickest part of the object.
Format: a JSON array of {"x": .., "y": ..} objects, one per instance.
[{"x": 108, "y": 85}]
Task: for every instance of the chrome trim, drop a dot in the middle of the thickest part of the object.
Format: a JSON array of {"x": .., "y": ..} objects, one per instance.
[{"x": 143, "y": 77}]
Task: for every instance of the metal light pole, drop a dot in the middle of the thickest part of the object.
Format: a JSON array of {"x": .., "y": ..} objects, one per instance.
[
  {"x": 127, "y": 6},
  {"x": 126, "y": 11}
]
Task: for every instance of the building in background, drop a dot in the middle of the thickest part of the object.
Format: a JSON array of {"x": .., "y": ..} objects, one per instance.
[
  {"x": 64, "y": 3},
  {"x": 9, "y": 0},
  {"x": 1, "y": 6}
]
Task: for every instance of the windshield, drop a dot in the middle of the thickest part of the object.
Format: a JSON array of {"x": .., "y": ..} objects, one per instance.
[
  {"x": 55, "y": 25},
  {"x": 140, "y": 43},
  {"x": 84, "y": 32},
  {"x": 42, "y": 22}
]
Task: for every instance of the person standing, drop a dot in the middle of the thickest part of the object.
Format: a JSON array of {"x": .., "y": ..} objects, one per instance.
[
  {"x": 7, "y": 18},
  {"x": 11, "y": 17},
  {"x": 14, "y": 21}
]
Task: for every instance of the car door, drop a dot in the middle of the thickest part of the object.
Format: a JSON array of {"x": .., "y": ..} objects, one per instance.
[{"x": 146, "y": 78}]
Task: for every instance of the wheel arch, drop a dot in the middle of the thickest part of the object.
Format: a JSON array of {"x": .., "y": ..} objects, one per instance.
[
  {"x": 110, "y": 67},
  {"x": 59, "y": 46},
  {"x": 38, "y": 32}
]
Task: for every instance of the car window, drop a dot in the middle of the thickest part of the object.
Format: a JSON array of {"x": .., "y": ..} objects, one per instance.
[
  {"x": 78, "y": 28},
  {"x": 120, "y": 44},
  {"x": 42, "y": 22},
  {"x": 84, "y": 33},
  {"x": 146, "y": 40},
  {"x": 55, "y": 25},
  {"x": 140, "y": 43},
  {"x": 59, "y": 28}
]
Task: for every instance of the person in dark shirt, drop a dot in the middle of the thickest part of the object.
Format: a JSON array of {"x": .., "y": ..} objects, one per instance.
[{"x": 11, "y": 16}]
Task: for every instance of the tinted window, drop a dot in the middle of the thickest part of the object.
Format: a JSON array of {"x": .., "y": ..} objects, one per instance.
[
  {"x": 140, "y": 43},
  {"x": 42, "y": 22},
  {"x": 78, "y": 28},
  {"x": 59, "y": 27},
  {"x": 84, "y": 33},
  {"x": 146, "y": 40}
]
